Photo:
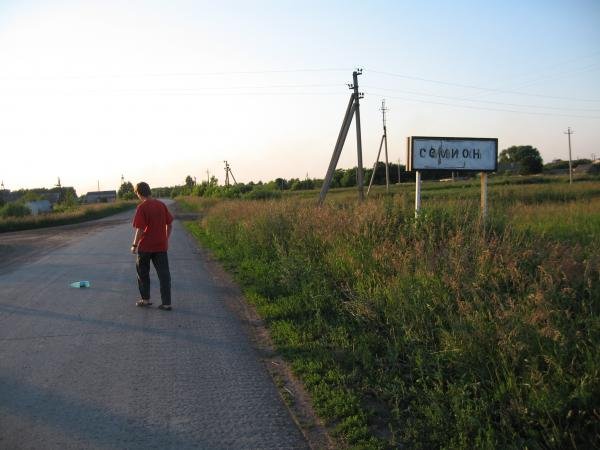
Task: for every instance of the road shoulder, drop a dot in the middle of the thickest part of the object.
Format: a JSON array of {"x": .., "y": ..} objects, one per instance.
[{"x": 290, "y": 388}]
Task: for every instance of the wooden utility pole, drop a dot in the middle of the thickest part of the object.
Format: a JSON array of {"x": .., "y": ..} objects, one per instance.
[
  {"x": 387, "y": 166},
  {"x": 569, "y": 132},
  {"x": 351, "y": 110},
  {"x": 383, "y": 141},
  {"x": 227, "y": 173},
  {"x": 359, "y": 169}
]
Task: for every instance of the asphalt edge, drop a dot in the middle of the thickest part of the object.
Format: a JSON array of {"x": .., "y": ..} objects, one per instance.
[{"x": 291, "y": 390}]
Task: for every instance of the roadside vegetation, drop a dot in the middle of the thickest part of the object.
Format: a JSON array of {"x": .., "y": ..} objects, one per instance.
[
  {"x": 16, "y": 217},
  {"x": 436, "y": 332}
]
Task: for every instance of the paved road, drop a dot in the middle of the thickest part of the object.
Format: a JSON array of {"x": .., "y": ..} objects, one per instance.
[{"x": 85, "y": 368}]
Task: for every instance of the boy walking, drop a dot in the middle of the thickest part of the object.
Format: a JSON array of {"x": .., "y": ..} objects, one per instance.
[{"x": 153, "y": 226}]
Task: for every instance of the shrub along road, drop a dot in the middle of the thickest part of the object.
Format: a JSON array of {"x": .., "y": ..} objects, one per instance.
[{"x": 85, "y": 368}]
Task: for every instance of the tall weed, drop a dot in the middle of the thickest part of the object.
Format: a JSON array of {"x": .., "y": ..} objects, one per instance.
[{"x": 435, "y": 332}]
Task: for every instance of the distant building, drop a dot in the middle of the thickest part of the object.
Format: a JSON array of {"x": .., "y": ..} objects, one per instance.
[
  {"x": 39, "y": 206},
  {"x": 52, "y": 197},
  {"x": 101, "y": 197},
  {"x": 591, "y": 169}
]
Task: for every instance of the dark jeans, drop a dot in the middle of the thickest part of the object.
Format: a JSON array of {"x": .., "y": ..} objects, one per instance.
[{"x": 161, "y": 264}]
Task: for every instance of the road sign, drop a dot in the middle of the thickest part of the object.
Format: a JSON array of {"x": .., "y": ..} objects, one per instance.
[{"x": 447, "y": 153}]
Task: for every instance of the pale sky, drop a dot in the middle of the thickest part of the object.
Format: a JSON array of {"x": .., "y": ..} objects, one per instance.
[{"x": 92, "y": 90}]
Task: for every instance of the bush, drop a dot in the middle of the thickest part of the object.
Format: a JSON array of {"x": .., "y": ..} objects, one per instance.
[
  {"x": 14, "y": 210},
  {"x": 262, "y": 194}
]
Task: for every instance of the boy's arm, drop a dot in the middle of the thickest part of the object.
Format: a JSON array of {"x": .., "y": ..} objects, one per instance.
[
  {"x": 136, "y": 239},
  {"x": 169, "y": 229}
]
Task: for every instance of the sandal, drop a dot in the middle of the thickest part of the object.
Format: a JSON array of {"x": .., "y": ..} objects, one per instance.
[
  {"x": 143, "y": 303},
  {"x": 165, "y": 307}
]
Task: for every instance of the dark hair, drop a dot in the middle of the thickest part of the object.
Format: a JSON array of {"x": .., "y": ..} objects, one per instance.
[{"x": 143, "y": 189}]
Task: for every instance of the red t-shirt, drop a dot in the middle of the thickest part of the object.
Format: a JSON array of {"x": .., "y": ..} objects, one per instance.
[{"x": 152, "y": 217}]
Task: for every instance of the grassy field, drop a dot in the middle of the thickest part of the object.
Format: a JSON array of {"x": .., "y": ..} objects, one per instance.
[
  {"x": 436, "y": 332},
  {"x": 76, "y": 215}
]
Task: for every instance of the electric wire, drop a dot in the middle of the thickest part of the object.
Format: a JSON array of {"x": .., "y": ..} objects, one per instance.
[
  {"x": 493, "y": 109},
  {"x": 480, "y": 88},
  {"x": 481, "y": 101}
]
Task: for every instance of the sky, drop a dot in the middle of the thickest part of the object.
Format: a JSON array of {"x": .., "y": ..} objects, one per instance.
[{"x": 91, "y": 91}]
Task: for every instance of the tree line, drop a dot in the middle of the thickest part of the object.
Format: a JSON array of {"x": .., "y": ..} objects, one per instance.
[{"x": 517, "y": 160}]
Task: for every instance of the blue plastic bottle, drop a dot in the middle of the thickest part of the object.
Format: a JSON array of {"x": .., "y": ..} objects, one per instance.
[{"x": 80, "y": 284}]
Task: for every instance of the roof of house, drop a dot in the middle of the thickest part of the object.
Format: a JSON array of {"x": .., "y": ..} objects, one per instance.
[{"x": 102, "y": 193}]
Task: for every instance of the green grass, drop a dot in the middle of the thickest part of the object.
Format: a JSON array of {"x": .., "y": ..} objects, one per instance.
[
  {"x": 77, "y": 215},
  {"x": 434, "y": 332}
]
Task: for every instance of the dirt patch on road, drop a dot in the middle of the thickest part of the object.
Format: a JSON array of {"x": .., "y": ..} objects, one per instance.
[{"x": 19, "y": 247}]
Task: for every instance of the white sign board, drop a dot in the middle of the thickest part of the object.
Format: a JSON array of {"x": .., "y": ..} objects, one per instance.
[{"x": 442, "y": 153}]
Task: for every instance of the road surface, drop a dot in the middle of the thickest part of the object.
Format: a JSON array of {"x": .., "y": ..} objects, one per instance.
[{"x": 86, "y": 368}]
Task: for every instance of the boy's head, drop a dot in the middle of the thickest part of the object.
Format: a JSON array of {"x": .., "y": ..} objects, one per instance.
[{"x": 143, "y": 189}]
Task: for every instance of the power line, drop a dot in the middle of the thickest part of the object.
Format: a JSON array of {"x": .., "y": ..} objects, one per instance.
[
  {"x": 171, "y": 74},
  {"x": 545, "y": 70},
  {"x": 483, "y": 101},
  {"x": 469, "y": 86},
  {"x": 493, "y": 109}
]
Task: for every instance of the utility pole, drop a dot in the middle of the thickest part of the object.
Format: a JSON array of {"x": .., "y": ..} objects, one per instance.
[
  {"x": 383, "y": 141},
  {"x": 207, "y": 177},
  {"x": 359, "y": 169},
  {"x": 593, "y": 157},
  {"x": 227, "y": 173},
  {"x": 60, "y": 192},
  {"x": 98, "y": 185},
  {"x": 398, "y": 170},
  {"x": 569, "y": 132},
  {"x": 387, "y": 167},
  {"x": 122, "y": 180},
  {"x": 353, "y": 107}
]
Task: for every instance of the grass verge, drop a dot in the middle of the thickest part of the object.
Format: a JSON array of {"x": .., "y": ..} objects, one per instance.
[
  {"x": 78, "y": 215},
  {"x": 429, "y": 332}
]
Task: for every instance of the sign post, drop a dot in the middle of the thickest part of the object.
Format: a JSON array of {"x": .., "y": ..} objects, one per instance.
[
  {"x": 417, "y": 192},
  {"x": 452, "y": 154},
  {"x": 484, "y": 187}
]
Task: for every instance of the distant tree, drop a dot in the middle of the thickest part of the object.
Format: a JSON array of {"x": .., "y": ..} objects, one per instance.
[
  {"x": 70, "y": 198},
  {"x": 281, "y": 184},
  {"x": 349, "y": 178},
  {"x": 300, "y": 185},
  {"x": 337, "y": 178},
  {"x": 126, "y": 191},
  {"x": 31, "y": 196},
  {"x": 379, "y": 174},
  {"x": 189, "y": 182},
  {"x": 14, "y": 210},
  {"x": 525, "y": 157}
]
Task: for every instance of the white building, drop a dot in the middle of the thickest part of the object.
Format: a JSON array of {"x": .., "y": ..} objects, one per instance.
[{"x": 39, "y": 206}]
